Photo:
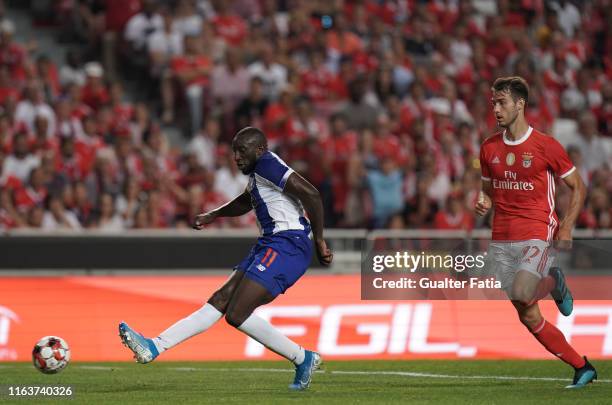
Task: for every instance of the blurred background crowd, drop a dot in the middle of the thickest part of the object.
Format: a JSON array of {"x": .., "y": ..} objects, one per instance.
[{"x": 381, "y": 104}]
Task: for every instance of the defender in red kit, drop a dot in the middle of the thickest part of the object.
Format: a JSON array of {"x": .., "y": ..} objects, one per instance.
[{"x": 519, "y": 166}]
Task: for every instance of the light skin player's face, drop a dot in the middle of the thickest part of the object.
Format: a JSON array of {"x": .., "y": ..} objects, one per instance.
[{"x": 505, "y": 108}]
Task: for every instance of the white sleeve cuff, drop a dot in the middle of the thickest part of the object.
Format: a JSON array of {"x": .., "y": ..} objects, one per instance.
[
  {"x": 485, "y": 178},
  {"x": 567, "y": 173},
  {"x": 285, "y": 177}
]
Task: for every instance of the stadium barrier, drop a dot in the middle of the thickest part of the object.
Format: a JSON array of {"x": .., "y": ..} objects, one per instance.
[
  {"x": 172, "y": 249},
  {"x": 321, "y": 312}
]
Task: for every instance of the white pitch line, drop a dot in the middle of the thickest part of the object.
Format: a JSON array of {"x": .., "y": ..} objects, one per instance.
[
  {"x": 245, "y": 369},
  {"x": 103, "y": 368},
  {"x": 472, "y": 377},
  {"x": 396, "y": 373}
]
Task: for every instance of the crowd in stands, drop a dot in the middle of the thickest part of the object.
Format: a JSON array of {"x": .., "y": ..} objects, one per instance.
[{"x": 382, "y": 105}]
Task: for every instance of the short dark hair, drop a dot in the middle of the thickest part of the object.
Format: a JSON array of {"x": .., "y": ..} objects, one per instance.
[
  {"x": 254, "y": 135},
  {"x": 515, "y": 85}
]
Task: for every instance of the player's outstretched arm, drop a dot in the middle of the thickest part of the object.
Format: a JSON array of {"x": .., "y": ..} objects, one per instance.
[
  {"x": 235, "y": 208},
  {"x": 567, "y": 223},
  {"x": 300, "y": 188}
]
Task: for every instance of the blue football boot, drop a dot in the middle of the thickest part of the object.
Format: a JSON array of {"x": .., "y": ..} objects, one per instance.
[
  {"x": 584, "y": 375},
  {"x": 561, "y": 293},
  {"x": 143, "y": 348},
  {"x": 303, "y": 372}
]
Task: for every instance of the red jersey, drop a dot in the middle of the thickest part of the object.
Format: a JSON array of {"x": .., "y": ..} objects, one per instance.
[
  {"x": 522, "y": 175},
  {"x": 231, "y": 28},
  {"x": 184, "y": 63}
]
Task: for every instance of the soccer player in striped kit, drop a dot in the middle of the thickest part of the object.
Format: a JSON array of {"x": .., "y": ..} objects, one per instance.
[{"x": 280, "y": 198}]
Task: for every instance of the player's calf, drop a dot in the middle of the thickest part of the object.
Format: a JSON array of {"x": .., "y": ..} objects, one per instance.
[{"x": 529, "y": 315}]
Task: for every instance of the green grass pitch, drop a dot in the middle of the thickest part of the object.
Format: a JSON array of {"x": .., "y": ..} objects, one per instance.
[{"x": 348, "y": 382}]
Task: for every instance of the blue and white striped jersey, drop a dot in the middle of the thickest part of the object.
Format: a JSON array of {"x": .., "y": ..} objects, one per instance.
[{"x": 275, "y": 210}]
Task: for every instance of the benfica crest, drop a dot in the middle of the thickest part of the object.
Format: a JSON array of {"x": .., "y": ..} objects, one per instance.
[{"x": 527, "y": 158}]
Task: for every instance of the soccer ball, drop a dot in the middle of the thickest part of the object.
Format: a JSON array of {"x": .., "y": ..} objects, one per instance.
[{"x": 51, "y": 355}]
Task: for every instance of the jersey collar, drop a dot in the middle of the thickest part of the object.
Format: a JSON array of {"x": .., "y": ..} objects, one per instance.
[{"x": 518, "y": 141}]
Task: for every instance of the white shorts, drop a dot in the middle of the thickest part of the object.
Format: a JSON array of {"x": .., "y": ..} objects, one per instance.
[{"x": 505, "y": 259}]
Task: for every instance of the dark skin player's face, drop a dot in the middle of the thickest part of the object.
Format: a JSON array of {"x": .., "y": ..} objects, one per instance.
[{"x": 246, "y": 154}]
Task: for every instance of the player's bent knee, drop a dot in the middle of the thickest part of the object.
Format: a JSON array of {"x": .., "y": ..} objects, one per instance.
[
  {"x": 234, "y": 319},
  {"x": 523, "y": 297}
]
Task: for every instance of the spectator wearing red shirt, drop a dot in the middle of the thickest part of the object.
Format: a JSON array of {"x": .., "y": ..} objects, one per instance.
[
  {"x": 34, "y": 193},
  {"x": 88, "y": 143},
  {"x": 162, "y": 207},
  {"x": 229, "y": 26},
  {"x": 6, "y": 134},
  {"x": 69, "y": 164},
  {"x": 340, "y": 39},
  {"x": 191, "y": 71},
  {"x": 454, "y": 216},
  {"x": 191, "y": 172},
  {"x": 278, "y": 116},
  {"x": 332, "y": 161},
  {"x": 94, "y": 94},
  {"x": 598, "y": 212},
  {"x": 157, "y": 149},
  {"x": 119, "y": 12},
  {"x": 190, "y": 205},
  {"x": 604, "y": 111},
  {"x": 12, "y": 54},
  {"x": 9, "y": 217},
  {"x": 42, "y": 144},
  {"x": 499, "y": 43},
  {"x": 316, "y": 80},
  {"x": 385, "y": 144},
  {"x": 304, "y": 130},
  {"x": 414, "y": 107},
  {"x": 122, "y": 111},
  {"x": 78, "y": 109},
  {"x": 559, "y": 77},
  {"x": 7, "y": 85},
  {"x": 212, "y": 198}
]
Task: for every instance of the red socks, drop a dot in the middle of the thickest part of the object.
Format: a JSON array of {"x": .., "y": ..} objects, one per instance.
[{"x": 553, "y": 340}]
